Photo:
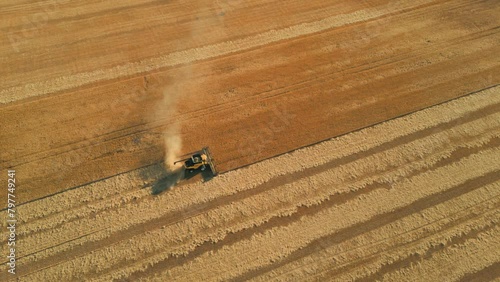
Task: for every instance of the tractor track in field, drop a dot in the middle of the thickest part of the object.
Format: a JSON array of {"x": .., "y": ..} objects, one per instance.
[
  {"x": 111, "y": 146},
  {"x": 355, "y": 140},
  {"x": 157, "y": 126},
  {"x": 375, "y": 223},
  {"x": 288, "y": 178},
  {"x": 335, "y": 271},
  {"x": 465, "y": 135}
]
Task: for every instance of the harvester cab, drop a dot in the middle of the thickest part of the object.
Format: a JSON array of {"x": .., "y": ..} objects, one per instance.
[
  {"x": 196, "y": 161},
  {"x": 199, "y": 160}
]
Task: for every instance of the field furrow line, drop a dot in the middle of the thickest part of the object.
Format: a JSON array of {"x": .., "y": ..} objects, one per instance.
[
  {"x": 65, "y": 12},
  {"x": 448, "y": 113},
  {"x": 408, "y": 67},
  {"x": 387, "y": 64},
  {"x": 453, "y": 242},
  {"x": 158, "y": 223},
  {"x": 273, "y": 207},
  {"x": 376, "y": 266},
  {"x": 434, "y": 149},
  {"x": 489, "y": 273},
  {"x": 473, "y": 139},
  {"x": 328, "y": 241},
  {"x": 480, "y": 204},
  {"x": 476, "y": 127},
  {"x": 454, "y": 263},
  {"x": 335, "y": 164},
  {"x": 196, "y": 54},
  {"x": 413, "y": 251},
  {"x": 354, "y": 141},
  {"x": 354, "y": 205},
  {"x": 306, "y": 205}
]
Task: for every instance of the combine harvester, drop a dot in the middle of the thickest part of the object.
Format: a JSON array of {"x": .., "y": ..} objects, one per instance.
[{"x": 199, "y": 160}]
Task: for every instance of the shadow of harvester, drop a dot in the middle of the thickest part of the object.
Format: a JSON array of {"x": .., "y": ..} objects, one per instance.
[{"x": 171, "y": 178}]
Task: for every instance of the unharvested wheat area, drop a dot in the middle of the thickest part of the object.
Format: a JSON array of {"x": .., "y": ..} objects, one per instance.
[{"x": 353, "y": 140}]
